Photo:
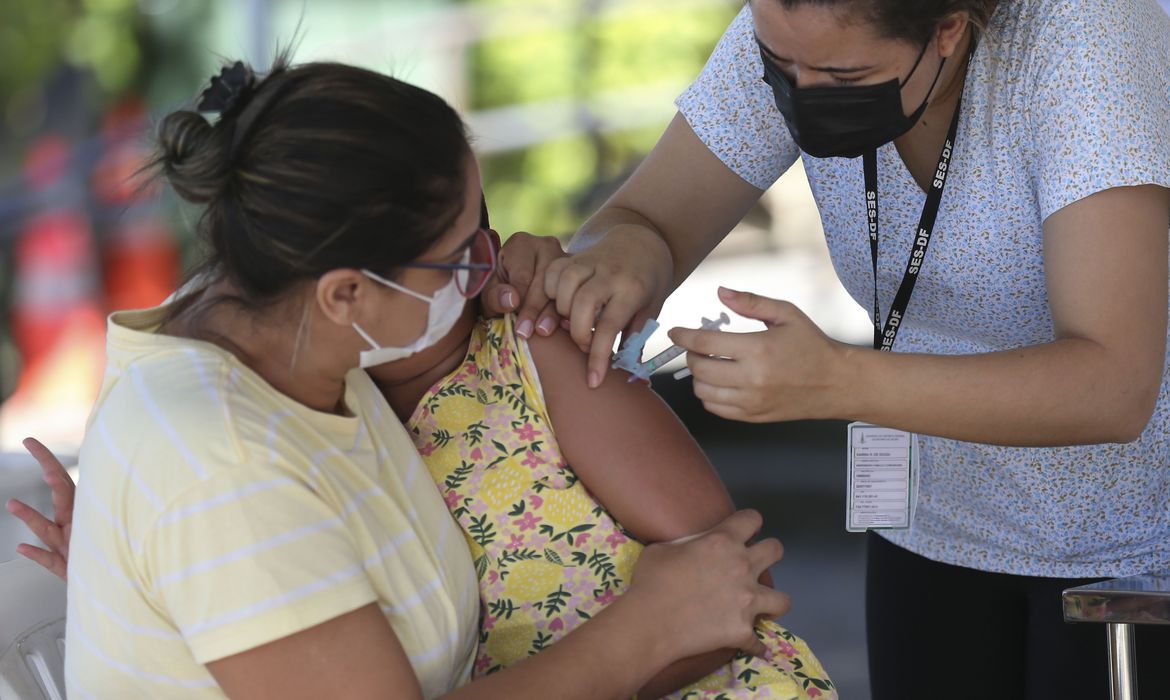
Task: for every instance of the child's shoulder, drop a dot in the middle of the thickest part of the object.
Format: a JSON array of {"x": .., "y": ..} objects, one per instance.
[{"x": 540, "y": 363}]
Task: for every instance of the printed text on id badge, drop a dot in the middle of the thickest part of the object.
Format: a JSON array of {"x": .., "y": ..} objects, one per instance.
[{"x": 881, "y": 478}]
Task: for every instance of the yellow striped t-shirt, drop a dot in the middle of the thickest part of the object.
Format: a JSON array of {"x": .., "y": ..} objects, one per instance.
[{"x": 214, "y": 514}]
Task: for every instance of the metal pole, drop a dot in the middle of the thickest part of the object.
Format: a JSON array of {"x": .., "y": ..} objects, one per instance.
[
  {"x": 1122, "y": 659},
  {"x": 259, "y": 25}
]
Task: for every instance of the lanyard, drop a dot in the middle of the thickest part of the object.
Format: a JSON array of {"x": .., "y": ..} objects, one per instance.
[{"x": 883, "y": 338}]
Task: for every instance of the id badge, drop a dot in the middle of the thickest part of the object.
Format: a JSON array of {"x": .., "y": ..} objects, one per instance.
[{"x": 883, "y": 468}]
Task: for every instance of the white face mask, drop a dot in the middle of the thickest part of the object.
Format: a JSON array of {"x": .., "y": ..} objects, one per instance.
[{"x": 445, "y": 308}]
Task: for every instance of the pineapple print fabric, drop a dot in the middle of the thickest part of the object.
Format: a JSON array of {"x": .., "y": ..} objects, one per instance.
[{"x": 547, "y": 554}]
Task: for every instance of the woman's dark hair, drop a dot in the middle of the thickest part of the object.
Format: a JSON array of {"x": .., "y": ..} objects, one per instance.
[
  {"x": 312, "y": 168},
  {"x": 910, "y": 20}
]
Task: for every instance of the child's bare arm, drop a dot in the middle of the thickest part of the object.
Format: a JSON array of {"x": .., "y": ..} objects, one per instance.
[
  {"x": 628, "y": 447},
  {"x": 633, "y": 454}
]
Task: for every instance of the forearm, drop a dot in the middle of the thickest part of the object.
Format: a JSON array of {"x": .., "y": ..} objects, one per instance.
[
  {"x": 1069, "y": 391},
  {"x": 682, "y": 193},
  {"x": 611, "y": 656},
  {"x": 617, "y": 220},
  {"x": 684, "y": 672}
]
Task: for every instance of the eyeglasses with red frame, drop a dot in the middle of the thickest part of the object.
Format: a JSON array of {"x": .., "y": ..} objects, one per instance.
[{"x": 475, "y": 268}]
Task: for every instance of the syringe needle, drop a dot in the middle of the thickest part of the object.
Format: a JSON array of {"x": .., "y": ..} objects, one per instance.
[{"x": 674, "y": 351}]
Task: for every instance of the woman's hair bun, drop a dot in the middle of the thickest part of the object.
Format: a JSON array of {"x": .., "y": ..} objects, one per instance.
[{"x": 192, "y": 156}]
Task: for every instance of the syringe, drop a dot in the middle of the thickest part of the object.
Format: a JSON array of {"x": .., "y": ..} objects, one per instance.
[{"x": 674, "y": 351}]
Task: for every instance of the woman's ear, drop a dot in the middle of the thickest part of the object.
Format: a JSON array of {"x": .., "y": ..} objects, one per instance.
[
  {"x": 950, "y": 33},
  {"x": 341, "y": 293}
]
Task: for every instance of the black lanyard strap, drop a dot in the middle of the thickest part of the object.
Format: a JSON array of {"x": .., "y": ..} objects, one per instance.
[{"x": 883, "y": 337}]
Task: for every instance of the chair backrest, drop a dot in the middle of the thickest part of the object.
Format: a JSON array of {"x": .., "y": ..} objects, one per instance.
[
  {"x": 32, "y": 632},
  {"x": 20, "y": 477}
]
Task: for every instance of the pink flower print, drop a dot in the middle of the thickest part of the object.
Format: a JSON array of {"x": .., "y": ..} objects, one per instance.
[
  {"x": 471, "y": 368},
  {"x": 493, "y": 575},
  {"x": 452, "y": 499},
  {"x": 516, "y": 542},
  {"x": 483, "y": 663},
  {"x": 582, "y": 537},
  {"x": 427, "y": 449},
  {"x": 526, "y": 432},
  {"x": 814, "y": 692},
  {"x": 476, "y": 454},
  {"x": 556, "y": 625},
  {"x": 616, "y": 538},
  {"x": 527, "y": 522},
  {"x": 488, "y": 622},
  {"x": 535, "y": 500},
  {"x": 532, "y": 461},
  {"x": 786, "y": 649},
  {"x": 605, "y": 598},
  {"x": 505, "y": 357}
]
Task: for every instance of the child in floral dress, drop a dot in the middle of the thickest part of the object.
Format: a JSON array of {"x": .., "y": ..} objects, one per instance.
[
  {"x": 548, "y": 553},
  {"x": 556, "y": 523}
]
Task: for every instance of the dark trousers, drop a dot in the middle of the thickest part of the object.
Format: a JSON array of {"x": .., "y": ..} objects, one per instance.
[{"x": 941, "y": 631}]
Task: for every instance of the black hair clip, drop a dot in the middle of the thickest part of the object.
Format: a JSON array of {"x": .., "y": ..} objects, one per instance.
[{"x": 226, "y": 90}]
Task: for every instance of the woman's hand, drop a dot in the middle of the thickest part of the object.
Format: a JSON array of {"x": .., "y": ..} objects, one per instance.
[
  {"x": 707, "y": 587},
  {"x": 55, "y": 533},
  {"x": 611, "y": 287},
  {"x": 523, "y": 260},
  {"x": 789, "y": 371}
]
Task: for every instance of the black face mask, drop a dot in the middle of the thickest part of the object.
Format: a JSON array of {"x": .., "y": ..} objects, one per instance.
[{"x": 844, "y": 121}]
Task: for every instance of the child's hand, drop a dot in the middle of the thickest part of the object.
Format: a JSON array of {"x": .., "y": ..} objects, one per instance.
[{"x": 55, "y": 533}]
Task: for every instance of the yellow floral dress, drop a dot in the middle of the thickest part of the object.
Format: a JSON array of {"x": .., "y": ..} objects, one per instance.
[{"x": 547, "y": 554}]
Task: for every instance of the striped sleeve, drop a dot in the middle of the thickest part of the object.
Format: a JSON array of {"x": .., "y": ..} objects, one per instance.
[{"x": 247, "y": 557}]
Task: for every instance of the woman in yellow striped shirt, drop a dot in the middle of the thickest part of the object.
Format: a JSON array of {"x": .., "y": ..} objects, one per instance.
[{"x": 254, "y": 521}]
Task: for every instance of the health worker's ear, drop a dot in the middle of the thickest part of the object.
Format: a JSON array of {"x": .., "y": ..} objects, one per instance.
[
  {"x": 343, "y": 294},
  {"x": 950, "y": 32}
]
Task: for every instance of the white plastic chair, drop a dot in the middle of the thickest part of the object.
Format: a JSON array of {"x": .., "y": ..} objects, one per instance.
[
  {"x": 32, "y": 601},
  {"x": 32, "y": 632}
]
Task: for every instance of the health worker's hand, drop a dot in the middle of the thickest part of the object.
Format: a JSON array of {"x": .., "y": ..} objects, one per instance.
[
  {"x": 789, "y": 371},
  {"x": 609, "y": 288},
  {"x": 523, "y": 259}
]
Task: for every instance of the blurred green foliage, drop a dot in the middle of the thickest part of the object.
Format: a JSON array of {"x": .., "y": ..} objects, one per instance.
[
  {"x": 589, "y": 48},
  {"x": 100, "y": 36},
  {"x": 550, "y": 188}
]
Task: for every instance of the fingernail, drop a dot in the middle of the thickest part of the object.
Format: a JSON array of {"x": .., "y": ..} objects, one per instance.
[
  {"x": 546, "y": 326},
  {"x": 594, "y": 380},
  {"x": 10, "y": 506},
  {"x": 524, "y": 329},
  {"x": 509, "y": 298},
  {"x": 725, "y": 293}
]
